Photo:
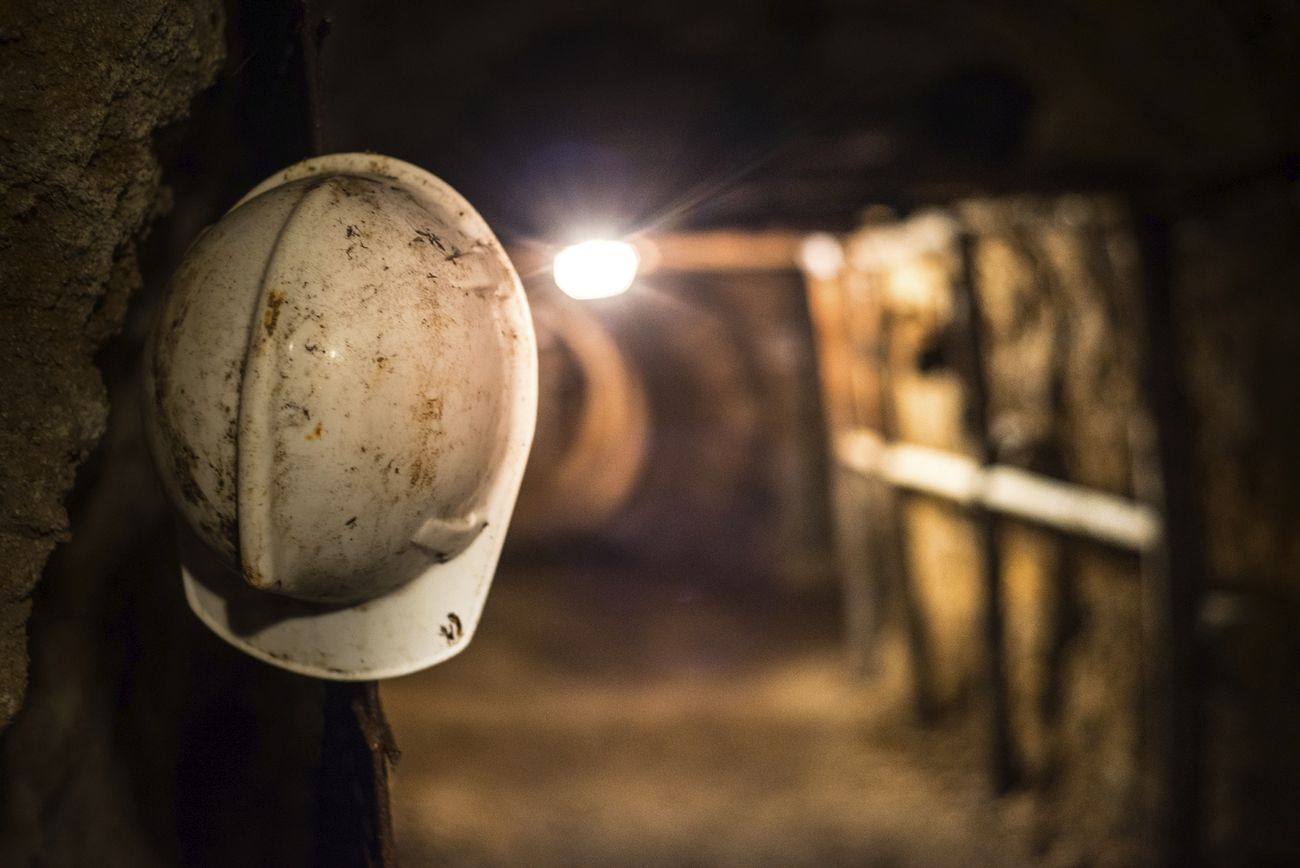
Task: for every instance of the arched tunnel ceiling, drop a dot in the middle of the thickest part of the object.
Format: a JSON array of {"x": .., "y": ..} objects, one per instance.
[{"x": 698, "y": 112}]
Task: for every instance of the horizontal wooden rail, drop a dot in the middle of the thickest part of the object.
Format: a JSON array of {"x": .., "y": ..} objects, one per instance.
[{"x": 1011, "y": 491}]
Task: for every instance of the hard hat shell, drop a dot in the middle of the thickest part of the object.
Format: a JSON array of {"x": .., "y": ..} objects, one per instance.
[{"x": 342, "y": 390}]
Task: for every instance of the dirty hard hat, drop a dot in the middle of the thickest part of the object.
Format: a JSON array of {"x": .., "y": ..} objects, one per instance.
[{"x": 342, "y": 388}]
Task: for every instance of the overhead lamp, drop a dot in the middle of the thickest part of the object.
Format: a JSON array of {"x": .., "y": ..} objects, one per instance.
[{"x": 596, "y": 269}]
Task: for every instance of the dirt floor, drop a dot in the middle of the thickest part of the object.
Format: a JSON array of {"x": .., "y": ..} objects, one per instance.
[{"x": 614, "y": 716}]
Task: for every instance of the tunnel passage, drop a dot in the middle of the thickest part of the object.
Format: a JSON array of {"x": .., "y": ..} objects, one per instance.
[
  {"x": 676, "y": 428},
  {"x": 695, "y": 710},
  {"x": 1006, "y": 587}
]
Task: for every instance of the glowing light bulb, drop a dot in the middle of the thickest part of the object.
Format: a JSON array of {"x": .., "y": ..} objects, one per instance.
[{"x": 596, "y": 269}]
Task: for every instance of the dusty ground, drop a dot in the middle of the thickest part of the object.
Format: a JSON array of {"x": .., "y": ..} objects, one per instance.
[{"x": 609, "y": 716}]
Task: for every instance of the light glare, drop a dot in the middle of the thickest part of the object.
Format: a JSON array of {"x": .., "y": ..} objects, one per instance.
[
  {"x": 821, "y": 255},
  {"x": 596, "y": 269}
]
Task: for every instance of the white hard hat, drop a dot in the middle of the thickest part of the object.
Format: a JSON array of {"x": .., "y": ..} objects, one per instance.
[{"x": 342, "y": 389}]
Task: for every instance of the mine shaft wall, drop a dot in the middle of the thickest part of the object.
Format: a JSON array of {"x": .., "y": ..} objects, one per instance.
[{"x": 1059, "y": 286}]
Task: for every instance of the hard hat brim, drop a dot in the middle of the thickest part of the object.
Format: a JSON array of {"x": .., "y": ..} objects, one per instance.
[{"x": 426, "y": 621}]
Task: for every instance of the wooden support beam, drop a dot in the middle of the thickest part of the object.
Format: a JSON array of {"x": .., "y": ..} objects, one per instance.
[
  {"x": 718, "y": 251},
  {"x": 1005, "y": 761},
  {"x": 723, "y": 250},
  {"x": 1174, "y": 573}
]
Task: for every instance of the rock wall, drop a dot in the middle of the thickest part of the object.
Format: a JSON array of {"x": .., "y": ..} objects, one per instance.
[
  {"x": 143, "y": 738},
  {"x": 86, "y": 88},
  {"x": 1238, "y": 269},
  {"x": 1060, "y": 286}
]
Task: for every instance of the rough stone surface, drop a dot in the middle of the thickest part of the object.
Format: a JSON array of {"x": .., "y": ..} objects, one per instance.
[
  {"x": 85, "y": 88},
  {"x": 1059, "y": 284},
  {"x": 1060, "y": 295},
  {"x": 1238, "y": 269},
  {"x": 1057, "y": 281},
  {"x": 1238, "y": 266}
]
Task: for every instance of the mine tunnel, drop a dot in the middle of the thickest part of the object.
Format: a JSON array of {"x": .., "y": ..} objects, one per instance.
[{"x": 912, "y": 481}]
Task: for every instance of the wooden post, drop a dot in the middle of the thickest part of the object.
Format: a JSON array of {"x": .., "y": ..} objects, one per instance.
[
  {"x": 353, "y": 814},
  {"x": 967, "y": 319},
  {"x": 890, "y": 507},
  {"x": 1174, "y": 576},
  {"x": 354, "y": 820},
  {"x": 845, "y": 352}
]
